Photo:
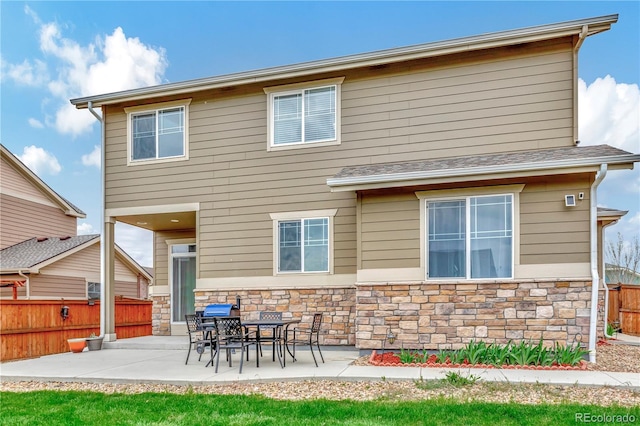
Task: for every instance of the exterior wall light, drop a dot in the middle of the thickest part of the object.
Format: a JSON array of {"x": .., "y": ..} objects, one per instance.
[{"x": 64, "y": 312}]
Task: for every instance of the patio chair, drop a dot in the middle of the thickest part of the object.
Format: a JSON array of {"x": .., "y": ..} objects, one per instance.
[
  {"x": 231, "y": 335},
  {"x": 269, "y": 333},
  {"x": 197, "y": 338},
  {"x": 305, "y": 337}
]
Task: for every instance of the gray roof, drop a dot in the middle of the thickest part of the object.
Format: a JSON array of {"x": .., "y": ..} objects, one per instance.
[
  {"x": 474, "y": 161},
  {"x": 605, "y": 211},
  {"x": 541, "y": 159},
  {"x": 34, "y": 251}
]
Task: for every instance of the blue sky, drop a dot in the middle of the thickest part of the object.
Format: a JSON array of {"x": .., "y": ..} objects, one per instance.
[{"x": 52, "y": 51}]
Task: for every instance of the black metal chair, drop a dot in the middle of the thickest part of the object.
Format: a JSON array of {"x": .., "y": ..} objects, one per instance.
[
  {"x": 305, "y": 337},
  {"x": 230, "y": 335},
  {"x": 270, "y": 333},
  {"x": 197, "y": 338}
]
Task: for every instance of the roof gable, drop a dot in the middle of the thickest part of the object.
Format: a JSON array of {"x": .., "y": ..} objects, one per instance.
[{"x": 39, "y": 190}]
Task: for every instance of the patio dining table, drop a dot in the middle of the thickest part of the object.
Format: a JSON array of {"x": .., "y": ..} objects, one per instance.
[{"x": 280, "y": 326}]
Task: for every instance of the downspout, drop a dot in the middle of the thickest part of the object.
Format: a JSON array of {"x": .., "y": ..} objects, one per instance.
[
  {"x": 604, "y": 282},
  {"x": 581, "y": 37},
  {"x": 595, "y": 280},
  {"x": 103, "y": 307},
  {"x": 28, "y": 288}
]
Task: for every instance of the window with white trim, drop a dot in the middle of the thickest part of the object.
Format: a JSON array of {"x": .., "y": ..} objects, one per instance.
[
  {"x": 304, "y": 114},
  {"x": 303, "y": 245},
  {"x": 93, "y": 290},
  {"x": 158, "y": 132},
  {"x": 470, "y": 237},
  {"x": 302, "y": 241}
]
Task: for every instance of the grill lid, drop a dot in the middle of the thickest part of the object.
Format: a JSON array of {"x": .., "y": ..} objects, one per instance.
[{"x": 218, "y": 310}]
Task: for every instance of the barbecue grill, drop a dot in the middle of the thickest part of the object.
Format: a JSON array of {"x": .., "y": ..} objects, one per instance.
[{"x": 222, "y": 309}]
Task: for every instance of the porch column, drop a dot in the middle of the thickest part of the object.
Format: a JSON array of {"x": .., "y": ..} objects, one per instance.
[{"x": 108, "y": 301}]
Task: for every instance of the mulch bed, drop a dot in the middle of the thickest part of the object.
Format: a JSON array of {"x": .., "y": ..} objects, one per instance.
[{"x": 390, "y": 359}]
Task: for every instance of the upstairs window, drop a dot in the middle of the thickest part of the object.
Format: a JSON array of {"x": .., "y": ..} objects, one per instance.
[
  {"x": 157, "y": 134},
  {"x": 303, "y": 115}
]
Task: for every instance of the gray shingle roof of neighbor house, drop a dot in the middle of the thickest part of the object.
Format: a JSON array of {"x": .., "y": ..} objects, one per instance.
[
  {"x": 38, "y": 252},
  {"x": 583, "y": 27},
  {"x": 35, "y": 251},
  {"x": 394, "y": 174}
]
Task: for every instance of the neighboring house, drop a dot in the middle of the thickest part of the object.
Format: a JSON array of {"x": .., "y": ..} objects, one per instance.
[
  {"x": 620, "y": 275},
  {"x": 434, "y": 190},
  {"x": 68, "y": 268},
  {"x": 52, "y": 267},
  {"x": 29, "y": 207}
]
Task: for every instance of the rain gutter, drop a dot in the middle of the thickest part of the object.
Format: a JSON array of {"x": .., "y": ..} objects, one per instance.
[
  {"x": 103, "y": 306},
  {"x": 27, "y": 289},
  {"x": 595, "y": 280}
]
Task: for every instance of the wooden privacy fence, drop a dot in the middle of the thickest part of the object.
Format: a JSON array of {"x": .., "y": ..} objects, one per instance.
[
  {"x": 624, "y": 307},
  {"x": 32, "y": 328}
]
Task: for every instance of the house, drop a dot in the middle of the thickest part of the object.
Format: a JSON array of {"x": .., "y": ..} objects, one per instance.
[
  {"x": 40, "y": 249},
  {"x": 620, "y": 275},
  {"x": 436, "y": 191}
]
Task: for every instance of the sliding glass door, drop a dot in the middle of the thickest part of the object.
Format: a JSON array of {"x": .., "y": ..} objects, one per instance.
[{"x": 183, "y": 280}]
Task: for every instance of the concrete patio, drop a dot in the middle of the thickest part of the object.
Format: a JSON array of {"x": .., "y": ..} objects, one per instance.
[{"x": 161, "y": 360}]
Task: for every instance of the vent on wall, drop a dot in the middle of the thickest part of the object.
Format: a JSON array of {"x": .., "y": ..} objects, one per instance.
[{"x": 570, "y": 200}]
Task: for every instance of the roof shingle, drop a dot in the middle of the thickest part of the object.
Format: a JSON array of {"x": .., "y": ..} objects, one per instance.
[{"x": 34, "y": 251}]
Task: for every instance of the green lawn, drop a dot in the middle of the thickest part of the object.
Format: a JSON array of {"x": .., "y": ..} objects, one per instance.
[{"x": 88, "y": 408}]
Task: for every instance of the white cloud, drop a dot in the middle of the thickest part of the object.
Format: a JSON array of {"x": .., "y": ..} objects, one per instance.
[
  {"x": 609, "y": 113},
  {"x": 40, "y": 161},
  {"x": 92, "y": 159},
  {"x": 136, "y": 242},
  {"x": 26, "y": 73},
  {"x": 86, "y": 228},
  {"x": 111, "y": 63},
  {"x": 37, "y": 124}
]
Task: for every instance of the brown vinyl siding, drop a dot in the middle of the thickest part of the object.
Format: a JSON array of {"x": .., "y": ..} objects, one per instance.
[
  {"x": 549, "y": 231},
  {"x": 55, "y": 286},
  {"x": 126, "y": 289},
  {"x": 21, "y": 220},
  {"x": 86, "y": 263},
  {"x": 15, "y": 181},
  {"x": 161, "y": 253},
  {"x": 390, "y": 231},
  {"x": 518, "y": 98}
]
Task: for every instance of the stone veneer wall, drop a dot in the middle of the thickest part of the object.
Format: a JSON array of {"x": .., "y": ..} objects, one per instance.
[
  {"x": 447, "y": 316},
  {"x": 161, "y": 316},
  {"x": 338, "y": 304}
]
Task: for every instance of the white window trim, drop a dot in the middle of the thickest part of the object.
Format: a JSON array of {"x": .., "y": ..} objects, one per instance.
[
  {"x": 279, "y": 90},
  {"x": 456, "y": 194},
  {"x": 311, "y": 214},
  {"x": 88, "y": 281},
  {"x": 170, "y": 256},
  {"x": 152, "y": 108}
]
